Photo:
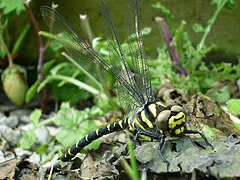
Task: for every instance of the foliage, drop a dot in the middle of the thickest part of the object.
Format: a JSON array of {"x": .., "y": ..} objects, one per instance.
[
  {"x": 73, "y": 125},
  {"x": 71, "y": 84},
  {"x": 29, "y": 137},
  {"x": 233, "y": 106},
  {"x": 12, "y": 6},
  {"x": 132, "y": 170},
  {"x": 201, "y": 77},
  {"x": 14, "y": 78}
]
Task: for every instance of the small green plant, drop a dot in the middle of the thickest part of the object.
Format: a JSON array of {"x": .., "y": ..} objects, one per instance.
[
  {"x": 199, "y": 76},
  {"x": 12, "y": 7},
  {"x": 73, "y": 125},
  {"x": 132, "y": 169},
  {"x": 233, "y": 106},
  {"x": 13, "y": 77}
]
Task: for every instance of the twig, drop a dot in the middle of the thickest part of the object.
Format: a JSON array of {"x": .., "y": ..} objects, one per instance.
[
  {"x": 41, "y": 51},
  {"x": 3, "y": 43},
  {"x": 163, "y": 26},
  {"x": 211, "y": 21},
  {"x": 40, "y": 40},
  {"x": 86, "y": 28}
]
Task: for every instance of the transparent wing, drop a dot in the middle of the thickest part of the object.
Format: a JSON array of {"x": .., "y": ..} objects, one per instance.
[
  {"x": 118, "y": 60},
  {"x": 87, "y": 58},
  {"x": 138, "y": 55}
]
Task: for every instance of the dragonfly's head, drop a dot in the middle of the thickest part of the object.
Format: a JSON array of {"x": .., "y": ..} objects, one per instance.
[{"x": 172, "y": 120}]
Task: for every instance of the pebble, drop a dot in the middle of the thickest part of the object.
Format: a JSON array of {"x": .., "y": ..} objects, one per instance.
[
  {"x": 11, "y": 121},
  {"x": 35, "y": 158},
  {"x": 10, "y": 135},
  {"x": 22, "y": 152},
  {"x": 238, "y": 84},
  {"x": 43, "y": 135},
  {"x": 22, "y": 114}
]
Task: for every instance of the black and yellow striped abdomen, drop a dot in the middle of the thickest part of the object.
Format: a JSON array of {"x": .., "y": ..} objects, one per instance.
[
  {"x": 153, "y": 119},
  {"x": 116, "y": 126}
]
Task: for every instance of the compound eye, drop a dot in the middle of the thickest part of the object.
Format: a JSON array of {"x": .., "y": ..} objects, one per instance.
[
  {"x": 176, "y": 108},
  {"x": 162, "y": 120}
]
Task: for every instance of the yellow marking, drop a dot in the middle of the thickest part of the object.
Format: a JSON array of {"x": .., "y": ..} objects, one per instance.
[
  {"x": 120, "y": 124},
  {"x": 181, "y": 119},
  {"x": 178, "y": 131},
  {"x": 184, "y": 119},
  {"x": 69, "y": 152},
  {"x": 86, "y": 138},
  {"x": 182, "y": 129},
  {"x": 97, "y": 132},
  {"x": 138, "y": 124},
  {"x": 130, "y": 127},
  {"x": 146, "y": 120},
  {"x": 108, "y": 127},
  {"x": 152, "y": 108},
  {"x": 77, "y": 144},
  {"x": 160, "y": 104}
]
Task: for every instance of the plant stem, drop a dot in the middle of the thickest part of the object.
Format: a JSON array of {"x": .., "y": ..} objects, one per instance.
[
  {"x": 86, "y": 28},
  {"x": 47, "y": 35},
  {"x": 211, "y": 21},
  {"x": 9, "y": 56},
  {"x": 83, "y": 70},
  {"x": 20, "y": 39},
  {"x": 69, "y": 80},
  {"x": 163, "y": 26},
  {"x": 3, "y": 43},
  {"x": 40, "y": 40}
]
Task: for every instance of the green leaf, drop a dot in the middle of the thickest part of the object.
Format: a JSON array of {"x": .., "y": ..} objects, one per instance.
[
  {"x": 27, "y": 140},
  {"x": 32, "y": 91},
  {"x": 47, "y": 66},
  {"x": 69, "y": 137},
  {"x": 158, "y": 5},
  {"x": 237, "y": 125},
  {"x": 42, "y": 149},
  {"x": 222, "y": 95},
  {"x": 35, "y": 116},
  {"x": 68, "y": 92},
  {"x": 233, "y": 106},
  {"x": 9, "y": 6},
  {"x": 197, "y": 27},
  {"x": 55, "y": 46},
  {"x": 70, "y": 117},
  {"x": 65, "y": 105},
  {"x": 230, "y": 4}
]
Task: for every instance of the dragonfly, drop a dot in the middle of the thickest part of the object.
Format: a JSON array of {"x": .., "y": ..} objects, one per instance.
[{"x": 145, "y": 115}]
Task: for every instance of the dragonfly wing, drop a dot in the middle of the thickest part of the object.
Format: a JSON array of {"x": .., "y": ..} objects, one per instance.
[
  {"x": 131, "y": 98},
  {"x": 138, "y": 55},
  {"x": 76, "y": 47}
]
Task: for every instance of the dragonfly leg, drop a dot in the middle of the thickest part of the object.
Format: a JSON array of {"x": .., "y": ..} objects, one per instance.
[
  {"x": 139, "y": 132},
  {"x": 161, "y": 143},
  {"x": 136, "y": 139},
  {"x": 202, "y": 135}
]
